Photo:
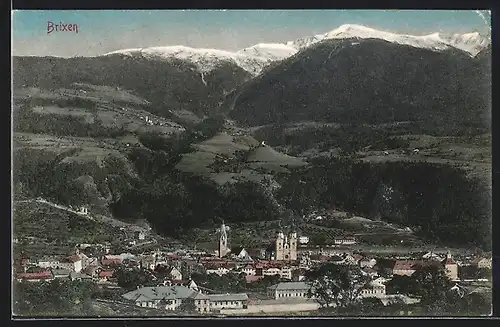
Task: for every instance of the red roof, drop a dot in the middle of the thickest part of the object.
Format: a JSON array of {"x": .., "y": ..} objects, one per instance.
[
  {"x": 106, "y": 273},
  {"x": 110, "y": 261},
  {"x": 449, "y": 261},
  {"x": 407, "y": 264},
  {"x": 251, "y": 279},
  {"x": 36, "y": 275}
]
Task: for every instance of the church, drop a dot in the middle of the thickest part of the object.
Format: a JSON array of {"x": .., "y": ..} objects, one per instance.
[{"x": 284, "y": 248}]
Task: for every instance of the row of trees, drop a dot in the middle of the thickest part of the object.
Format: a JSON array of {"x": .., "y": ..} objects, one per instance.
[
  {"x": 338, "y": 287},
  {"x": 56, "y": 297}
]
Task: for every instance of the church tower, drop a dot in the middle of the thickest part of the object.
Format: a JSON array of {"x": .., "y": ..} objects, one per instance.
[
  {"x": 286, "y": 247},
  {"x": 293, "y": 246},
  {"x": 223, "y": 243}
]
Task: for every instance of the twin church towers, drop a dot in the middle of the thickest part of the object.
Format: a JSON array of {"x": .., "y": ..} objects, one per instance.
[{"x": 283, "y": 248}]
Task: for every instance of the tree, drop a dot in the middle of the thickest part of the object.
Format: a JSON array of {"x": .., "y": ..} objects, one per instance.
[
  {"x": 431, "y": 284},
  {"x": 187, "y": 306},
  {"x": 336, "y": 285}
]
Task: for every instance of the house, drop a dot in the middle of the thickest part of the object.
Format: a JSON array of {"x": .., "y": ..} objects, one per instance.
[
  {"x": 168, "y": 298},
  {"x": 140, "y": 235},
  {"x": 374, "y": 289},
  {"x": 286, "y": 273},
  {"x": 109, "y": 260},
  {"x": 405, "y": 267},
  {"x": 248, "y": 270},
  {"x": 48, "y": 262},
  {"x": 228, "y": 301},
  {"x": 148, "y": 262},
  {"x": 241, "y": 253},
  {"x": 351, "y": 259},
  {"x": 482, "y": 263},
  {"x": 35, "y": 276},
  {"x": 174, "y": 273},
  {"x": 61, "y": 273},
  {"x": 289, "y": 290},
  {"x": 191, "y": 285},
  {"x": 105, "y": 275},
  {"x": 346, "y": 240},
  {"x": 73, "y": 263},
  {"x": 79, "y": 276},
  {"x": 432, "y": 256},
  {"x": 303, "y": 239},
  {"x": 272, "y": 271},
  {"x": 367, "y": 262}
]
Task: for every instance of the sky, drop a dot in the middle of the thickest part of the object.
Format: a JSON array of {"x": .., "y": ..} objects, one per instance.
[{"x": 102, "y": 31}]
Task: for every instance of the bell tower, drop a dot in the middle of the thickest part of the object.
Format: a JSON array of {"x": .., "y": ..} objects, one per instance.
[
  {"x": 293, "y": 246},
  {"x": 223, "y": 242}
]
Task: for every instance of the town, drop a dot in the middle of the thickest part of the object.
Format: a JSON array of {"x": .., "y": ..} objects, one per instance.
[{"x": 232, "y": 280}]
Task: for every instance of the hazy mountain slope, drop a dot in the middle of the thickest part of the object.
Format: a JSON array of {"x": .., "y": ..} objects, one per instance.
[
  {"x": 173, "y": 85},
  {"x": 363, "y": 81},
  {"x": 252, "y": 59}
]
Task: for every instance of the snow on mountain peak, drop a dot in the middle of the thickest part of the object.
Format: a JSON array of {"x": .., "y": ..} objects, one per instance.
[
  {"x": 253, "y": 59},
  {"x": 469, "y": 42}
]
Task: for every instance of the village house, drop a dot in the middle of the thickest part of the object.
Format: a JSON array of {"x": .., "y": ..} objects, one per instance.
[
  {"x": 79, "y": 276},
  {"x": 73, "y": 263},
  {"x": 110, "y": 260},
  {"x": 405, "y": 267},
  {"x": 61, "y": 273},
  {"x": 346, "y": 240},
  {"x": 367, "y": 262},
  {"x": 303, "y": 239},
  {"x": 105, "y": 275},
  {"x": 35, "y": 276},
  {"x": 148, "y": 262},
  {"x": 228, "y": 301},
  {"x": 168, "y": 297},
  {"x": 174, "y": 273},
  {"x": 47, "y": 262},
  {"x": 271, "y": 271},
  {"x": 374, "y": 289},
  {"x": 248, "y": 270},
  {"x": 431, "y": 255},
  {"x": 289, "y": 290},
  {"x": 286, "y": 273},
  {"x": 482, "y": 263},
  {"x": 240, "y": 254}
]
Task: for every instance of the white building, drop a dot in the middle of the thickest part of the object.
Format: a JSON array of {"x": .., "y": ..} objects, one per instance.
[
  {"x": 168, "y": 298},
  {"x": 48, "y": 262},
  {"x": 303, "y": 239},
  {"x": 345, "y": 241},
  {"x": 249, "y": 270},
  {"x": 289, "y": 290},
  {"x": 367, "y": 262},
  {"x": 228, "y": 301},
  {"x": 374, "y": 289},
  {"x": 73, "y": 263},
  {"x": 217, "y": 270}
]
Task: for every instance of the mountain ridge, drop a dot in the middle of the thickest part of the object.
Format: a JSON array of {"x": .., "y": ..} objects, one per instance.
[{"x": 255, "y": 58}]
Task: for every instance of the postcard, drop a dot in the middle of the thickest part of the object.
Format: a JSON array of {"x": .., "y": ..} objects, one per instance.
[{"x": 230, "y": 163}]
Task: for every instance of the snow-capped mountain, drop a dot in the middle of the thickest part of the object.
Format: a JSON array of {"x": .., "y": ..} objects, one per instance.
[
  {"x": 470, "y": 42},
  {"x": 252, "y": 59},
  {"x": 255, "y": 58}
]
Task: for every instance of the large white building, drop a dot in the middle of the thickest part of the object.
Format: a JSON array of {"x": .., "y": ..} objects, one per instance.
[
  {"x": 170, "y": 298},
  {"x": 289, "y": 290}
]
